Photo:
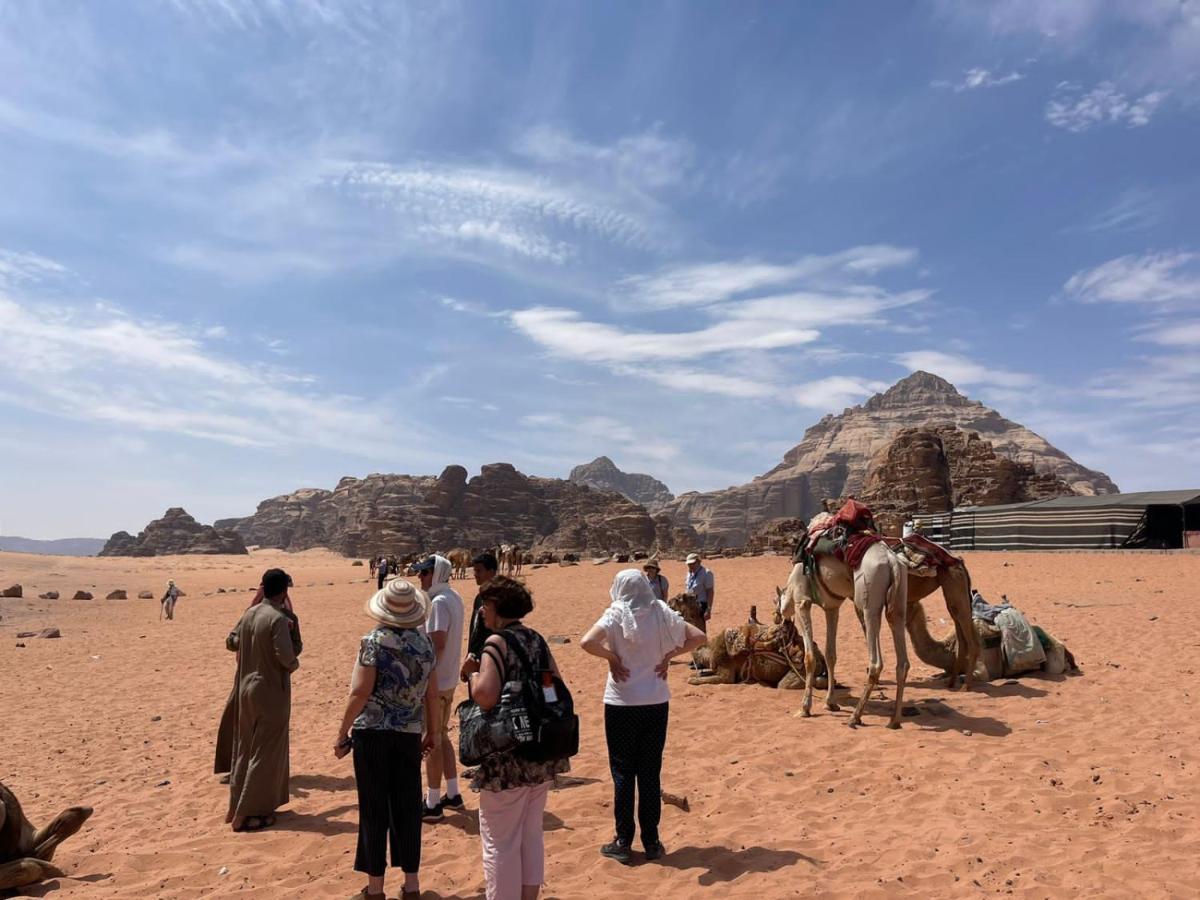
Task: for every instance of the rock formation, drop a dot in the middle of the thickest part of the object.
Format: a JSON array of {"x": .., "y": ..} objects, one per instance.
[
  {"x": 780, "y": 536},
  {"x": 602, "y": 473},
  {"x": 942, "y": 467},
  {"x": 175, "y": 532},
  {"x": 834, "y": 457},
  {"x": 413, "y": 514}
]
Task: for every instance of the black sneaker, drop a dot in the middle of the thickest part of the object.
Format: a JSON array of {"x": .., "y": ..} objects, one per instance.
[
  {"x": 655, "y": 850},
  {"x": 448, "y": 802},
  {"x": 618, "y": 851},
  {"x": 432, "y": 813}
]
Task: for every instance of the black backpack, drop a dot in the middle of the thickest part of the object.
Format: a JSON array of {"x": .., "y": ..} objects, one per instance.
[
  {"x": 551, "y": 729},
  {"x": 535, "y": 718}
]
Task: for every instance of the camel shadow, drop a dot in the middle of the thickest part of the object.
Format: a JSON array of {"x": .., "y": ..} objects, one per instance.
[
  {"x": 300, "y": 785},
  {"x": 566, "y": 782},
  {"x": 1003, "y": 689},
  {"x": 52, "y": 884},
  {"x": 467, "y": 821},
  {"x": 319, "y": 823},
  {"x": 724, "y": 864}
]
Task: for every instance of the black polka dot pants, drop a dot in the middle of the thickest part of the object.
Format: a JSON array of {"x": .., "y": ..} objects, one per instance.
[{"x": 636, "y": 738}]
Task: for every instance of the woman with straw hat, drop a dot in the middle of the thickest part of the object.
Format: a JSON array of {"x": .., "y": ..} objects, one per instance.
[{"x": 390, "y": 722}]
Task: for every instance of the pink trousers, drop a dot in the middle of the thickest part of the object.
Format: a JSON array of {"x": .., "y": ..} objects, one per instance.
[{"x": 510, "y": 827}]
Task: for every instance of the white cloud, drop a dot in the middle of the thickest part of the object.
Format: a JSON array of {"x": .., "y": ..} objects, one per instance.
[
  {"x": 1074, "y": 110},
  {"x": 649, "y": 159},
  {"x": 507, "y": 238},
  {"x": 1163, "y": 382},
  {"x": 1162, "y": 278},
  {"x": 565, "y": 333},
  {"x": 447, "y": 197},
  {"x": 704, "y": 283},
  {"x": 1134, "y": 210},
  {"x": 961, "y": 370},
  {"x": 17, "y": 267},
  {"x": 1184, "y": 333},
  {"x": 976, "y": 78},
  {"x": 102, "y": 365},
  {"x": 835, "y": 392}
]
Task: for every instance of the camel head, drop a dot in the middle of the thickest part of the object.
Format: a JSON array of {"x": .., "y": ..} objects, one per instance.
[
  {"x": 687, "y": 606},
  {"x": 785, "y": 605}
]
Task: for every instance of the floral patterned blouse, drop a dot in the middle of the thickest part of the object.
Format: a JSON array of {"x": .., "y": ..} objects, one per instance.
[
  {"x": 403, "y": 662},
  {"x": 502, "y": 771}
]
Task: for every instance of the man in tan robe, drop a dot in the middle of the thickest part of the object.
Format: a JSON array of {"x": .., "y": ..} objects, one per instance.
[{"x": 258, "y": 780}]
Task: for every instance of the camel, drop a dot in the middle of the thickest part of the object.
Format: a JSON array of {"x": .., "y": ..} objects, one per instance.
[
  {"x": 460, "y": 559},
  {"x": 685, "y": 604},
  {"x": 25, "y": 851},
  {"x": 943, "y": 652},
  {"x": 879, "y": 586},
  {"x": 757, "y": 654},
  {"x": 511, "y": 560}
]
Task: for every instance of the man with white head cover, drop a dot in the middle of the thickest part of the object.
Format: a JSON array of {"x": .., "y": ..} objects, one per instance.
[
  {"x": 445, "y": 629},
  {"x": 638, "y": 635}
]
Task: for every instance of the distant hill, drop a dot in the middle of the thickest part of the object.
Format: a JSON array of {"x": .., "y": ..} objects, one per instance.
[
  {"x": 602, "y": 474},
  {"x": 60, "y": 547}
]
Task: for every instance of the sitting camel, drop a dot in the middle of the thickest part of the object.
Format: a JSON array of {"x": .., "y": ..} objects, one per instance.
[
  {"x": 754, "y": 653},
  {"x": 943, "y": 652},
  {"x": 25, "y": 851},
  {"x": 685, "y": 604}
]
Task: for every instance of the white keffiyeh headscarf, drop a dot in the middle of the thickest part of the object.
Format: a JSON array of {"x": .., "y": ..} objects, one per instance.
[
  {"x": 631, "y": 594},
  {"x": 442, "y": 570}
]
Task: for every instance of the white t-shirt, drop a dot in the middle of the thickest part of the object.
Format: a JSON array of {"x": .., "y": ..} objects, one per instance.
[
  {"x": 643, "y": 687},
  {"x": 446, "y": 614}
]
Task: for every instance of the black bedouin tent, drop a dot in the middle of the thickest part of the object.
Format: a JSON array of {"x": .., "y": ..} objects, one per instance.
[{"x": 1150, "y": 519}]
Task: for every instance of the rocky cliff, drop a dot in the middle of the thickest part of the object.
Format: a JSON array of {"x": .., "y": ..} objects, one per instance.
[
  {"x": 175, "y": 532},
  {"x": 942, "y": 467},
  {"x": 834, "y": 457},
  {"x": 412, "y": 514},
  {"x": 603, "y": 474}
]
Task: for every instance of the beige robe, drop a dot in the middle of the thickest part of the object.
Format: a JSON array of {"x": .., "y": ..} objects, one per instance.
[{"x": 258, "y": 781}]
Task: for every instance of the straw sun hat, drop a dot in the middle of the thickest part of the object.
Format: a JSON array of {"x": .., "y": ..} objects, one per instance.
[{"x": 399, "y": 605}]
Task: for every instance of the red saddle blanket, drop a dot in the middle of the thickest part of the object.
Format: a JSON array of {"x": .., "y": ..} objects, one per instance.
[{"x": 857, "y": 546}]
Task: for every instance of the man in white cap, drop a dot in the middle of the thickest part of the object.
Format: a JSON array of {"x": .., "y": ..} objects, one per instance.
[
  {"x": 445, "y": 629},
  {"x": 700, "y": 584}
]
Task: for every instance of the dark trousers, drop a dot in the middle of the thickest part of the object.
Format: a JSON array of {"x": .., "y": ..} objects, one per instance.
[
  {"x": 387, "y": 769},
  {"x": 379, "y": 580},
  {"x": 636, "y": 738}
]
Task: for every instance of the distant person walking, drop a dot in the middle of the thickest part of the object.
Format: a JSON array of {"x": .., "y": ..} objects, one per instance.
[
  {"x": 393, "y": 699},
  {"x": 658, "y": 581},
  {"x": 486, "y": 568},
  {"x": 638, "y": 635},
  {"x": 258, "y": 782},
  {"x": 445, "y": 630},
  {"x": 701, "y": 584},
  {"x": 381, "y": 573},
  {"x": 168, "y": 601},
  {"x": 512, "y": 789}
]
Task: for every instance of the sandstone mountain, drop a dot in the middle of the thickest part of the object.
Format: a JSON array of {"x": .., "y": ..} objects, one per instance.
[
  {"x": 175, "y": 532},
  {"x": 835, "y": 456},
  {"x": 939, "y": 468},
  {"x": 603, "y": 474},
  {"x": 412, "y": 514}
]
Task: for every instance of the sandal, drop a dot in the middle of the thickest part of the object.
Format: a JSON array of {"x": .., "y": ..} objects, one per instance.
[{"x": 256, "y": 823}]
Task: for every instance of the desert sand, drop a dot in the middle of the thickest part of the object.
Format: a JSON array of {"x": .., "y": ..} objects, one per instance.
[{"x": 1049, "y": 787}]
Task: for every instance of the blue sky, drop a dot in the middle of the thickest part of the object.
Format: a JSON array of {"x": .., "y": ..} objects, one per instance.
[{"x": 252, "y": 245}]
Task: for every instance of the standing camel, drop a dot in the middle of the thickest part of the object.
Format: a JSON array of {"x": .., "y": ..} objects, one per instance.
[{"x": 879, "y": 586}]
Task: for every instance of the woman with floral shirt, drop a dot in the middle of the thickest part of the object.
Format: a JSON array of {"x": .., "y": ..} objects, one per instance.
[{"x": 390, "y": 722}]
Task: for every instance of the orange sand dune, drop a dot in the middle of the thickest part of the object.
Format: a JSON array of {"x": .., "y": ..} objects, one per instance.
[{"x": 1050, "y": 787}]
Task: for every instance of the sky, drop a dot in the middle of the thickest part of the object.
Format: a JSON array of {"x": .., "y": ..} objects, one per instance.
[{"x": 248, "y": 246}]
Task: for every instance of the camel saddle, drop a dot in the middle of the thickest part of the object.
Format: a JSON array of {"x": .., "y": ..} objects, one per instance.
[{"x": 923, "y": 556}]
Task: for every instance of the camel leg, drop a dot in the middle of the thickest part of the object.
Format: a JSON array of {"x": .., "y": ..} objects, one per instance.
[
  {"x": 65, "y": 824},
  {"x": 720, "y": 676},
  {"x": 810, "y": 661},
  {"x": 873, "y": 620},
  {"x": 24, "y": 872},
  {"x": 831, "y": 628},
  {"x": 899, "y": 639}
]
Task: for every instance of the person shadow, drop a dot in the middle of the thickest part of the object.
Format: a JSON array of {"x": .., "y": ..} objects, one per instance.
[
  {"x": 467, "y": 821},
  {"x": 726, "y": 864},
  {"x": 319, "y": 823},
  {"x": 47, "y": 887},
  {"x": 302, "y": 785}
]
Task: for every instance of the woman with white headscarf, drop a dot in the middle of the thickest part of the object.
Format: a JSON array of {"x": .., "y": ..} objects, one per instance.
[{"x": 638, "y": 635}]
